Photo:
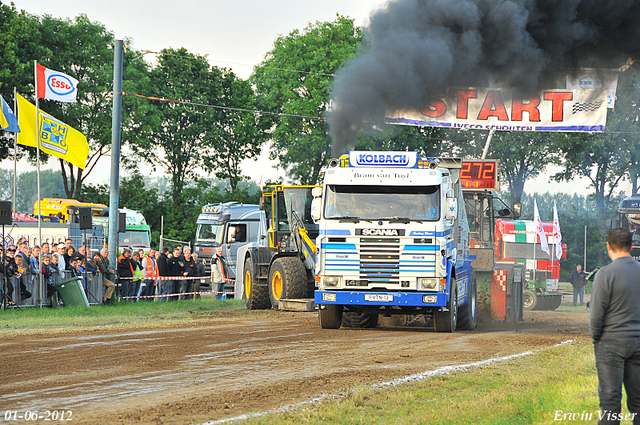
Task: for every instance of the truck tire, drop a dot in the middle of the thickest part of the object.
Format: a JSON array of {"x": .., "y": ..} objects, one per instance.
[
  {"x": 330, "y": 317},
  {"x": 287, "y": 280},
  {"x": 351, "y": 319},
  {"x": 467, "y": 312},
  {"x": 530, "y": 300},
  {"x": 255, "y": 297},
  {"x": 446, "y": 321}
]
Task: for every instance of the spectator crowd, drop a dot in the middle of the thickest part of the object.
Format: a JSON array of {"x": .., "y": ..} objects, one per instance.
[{"x": 170, "y": 275}]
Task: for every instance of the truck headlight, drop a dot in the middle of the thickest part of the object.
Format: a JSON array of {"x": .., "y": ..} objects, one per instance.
[
  {"x": 427, "y": 283},
  {"x": 429, "y": 299},
  {"x": 331, "y": 281},
  {"x": 328, "y": 296}
]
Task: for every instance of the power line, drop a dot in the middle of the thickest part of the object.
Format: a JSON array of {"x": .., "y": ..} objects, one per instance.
[
  {"x": 144, "y": 52},
  {"x": 227, "y": 108}
]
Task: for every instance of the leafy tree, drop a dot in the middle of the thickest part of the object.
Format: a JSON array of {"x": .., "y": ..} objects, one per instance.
[
  {"x": 294, "y": 80},
  {"x": 240, "y": 133},
  {"x": 523, "y": 155},
  {"x": 179, "y": 137},
  {"x": 26, "y": 194}
]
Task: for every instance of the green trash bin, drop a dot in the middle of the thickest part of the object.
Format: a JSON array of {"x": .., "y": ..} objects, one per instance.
[{"x": 72, "y": 293}]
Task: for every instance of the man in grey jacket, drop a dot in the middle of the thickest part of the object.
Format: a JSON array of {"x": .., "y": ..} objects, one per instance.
[{"x": 614, "y": 320}]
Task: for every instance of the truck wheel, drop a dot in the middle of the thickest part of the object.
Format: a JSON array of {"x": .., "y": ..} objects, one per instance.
[
  {"x": 287, "y": 280},
  {"x": 530, "y": 300},
  {"x": 446, "y": 321},
  {"x": 255, "y": 297},
  {"x": 330, "y": 317},
  {"x": 467, "y": 312},
  {"x": 351, "y": 319}
]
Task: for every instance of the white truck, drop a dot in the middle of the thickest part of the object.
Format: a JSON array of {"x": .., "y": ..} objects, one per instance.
[{"x": 393, "y": 239}]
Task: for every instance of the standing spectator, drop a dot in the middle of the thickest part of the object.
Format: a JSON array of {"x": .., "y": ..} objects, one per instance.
[
  {"x": 34, "y": 259},
  {"x": 22, "y": 250},
  {"x": 579, "y": 281},
  {"x": 188, "y": 270},
  {"x": 104, "y": 259},
  {"x": 200, "y": 272},
  {"x": 138, "y": 276},
  {"x": 163, "y": 271},
  {"x": 68, "y": 243},
  {"x": 21, "y": 269},
  {"x": 62, "y": 261},
  {"x": 175, "y": 268},
  {"x": 82, "y": 252},
  {"x": 47, "y": 274},
  {"x": 219, "y": 273},
  {"x": 150, "y": 268},
  {"x": 69, "y": 254},
  {"x": 614, "y": 322},
  {"x": 125, "y": 271},
  {"x": 45, "y": 248},
  {"x": 96, "y": 263}
]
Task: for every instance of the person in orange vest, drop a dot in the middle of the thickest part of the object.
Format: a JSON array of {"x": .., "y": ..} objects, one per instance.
[{"x": 151, "y": 274}]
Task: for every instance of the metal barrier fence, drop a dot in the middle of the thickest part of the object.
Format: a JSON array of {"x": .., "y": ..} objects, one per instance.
[{"x": 34, "y": 283}]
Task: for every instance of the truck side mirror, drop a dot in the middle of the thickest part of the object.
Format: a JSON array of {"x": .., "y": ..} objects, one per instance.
[
  {"x": 452, "y": 209},
  {"x": 517, "y": 210},
  {"x": 316, "y": 209}
]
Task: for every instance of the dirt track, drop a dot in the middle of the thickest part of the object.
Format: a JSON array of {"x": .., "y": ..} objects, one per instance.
[{"x": 239, "y": 363}]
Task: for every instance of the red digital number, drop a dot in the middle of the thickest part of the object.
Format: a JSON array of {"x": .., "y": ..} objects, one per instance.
[
  {"x": 489, "y": 170},
  {"x": 465, "y": 173}
]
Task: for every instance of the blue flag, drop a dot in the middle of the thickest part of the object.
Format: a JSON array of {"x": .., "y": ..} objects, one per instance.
[{"x": 8, "y": 121}]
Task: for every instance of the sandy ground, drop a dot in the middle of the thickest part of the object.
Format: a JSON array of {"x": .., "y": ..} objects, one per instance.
[{"x": 238, "y": 363}]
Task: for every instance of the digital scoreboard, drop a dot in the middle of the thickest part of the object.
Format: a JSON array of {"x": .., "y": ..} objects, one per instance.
[{"x": 480, "y": 174}]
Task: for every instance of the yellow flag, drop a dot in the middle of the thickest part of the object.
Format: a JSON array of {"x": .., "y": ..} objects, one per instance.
[{"x": 56, "y": 138}]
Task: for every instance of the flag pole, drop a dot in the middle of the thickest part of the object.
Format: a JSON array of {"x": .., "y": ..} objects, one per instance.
[
  {"x": 15, "y": 149},
  {"x": 35, "y": 74}
]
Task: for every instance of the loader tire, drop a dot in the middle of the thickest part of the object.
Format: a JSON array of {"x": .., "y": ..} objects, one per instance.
[
  {"x": 446, "y": 321},
  {"x": 287, "y": 280},
  {"x": 530, "y": 300},
  {"x": 359, "y": 320},
  {"x": 467, "y": 312},
  {"x": 557, "y": 300},
  {"x": 255, "y": 297},
  {"x": 330, "y": 317}
]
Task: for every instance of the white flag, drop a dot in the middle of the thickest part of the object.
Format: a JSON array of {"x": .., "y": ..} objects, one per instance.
[
  {"x": 540, "y": 229},
  {"x": 54, "y": 85},
  {"x": 556, "y": 232}
]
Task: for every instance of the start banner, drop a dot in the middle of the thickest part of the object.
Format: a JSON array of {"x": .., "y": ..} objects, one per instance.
[{"x": 487, "y": 109}]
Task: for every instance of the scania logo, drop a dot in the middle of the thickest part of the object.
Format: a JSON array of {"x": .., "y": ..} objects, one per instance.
[
  {"x": 379, "y": 232},
  {"x": 60, "y": 84}
]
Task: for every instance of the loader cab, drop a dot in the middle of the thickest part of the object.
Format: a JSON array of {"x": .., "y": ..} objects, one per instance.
[{"x": 288, "y": 208}]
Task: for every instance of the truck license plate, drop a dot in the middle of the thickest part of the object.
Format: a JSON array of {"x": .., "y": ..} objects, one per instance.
[{"x": 387, "y": 298}]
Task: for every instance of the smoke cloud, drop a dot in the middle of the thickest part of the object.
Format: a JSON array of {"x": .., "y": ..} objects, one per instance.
[{"x": 416, "y": 48}]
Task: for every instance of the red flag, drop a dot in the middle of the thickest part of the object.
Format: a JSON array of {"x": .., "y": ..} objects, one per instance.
[{"x": 54, "y": 85}]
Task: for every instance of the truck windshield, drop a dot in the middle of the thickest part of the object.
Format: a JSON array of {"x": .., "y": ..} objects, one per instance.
[
  {"x": 134, "y": 238},
  {"x": 418, "y": 203},
  {"x": 210, "y": 234}
]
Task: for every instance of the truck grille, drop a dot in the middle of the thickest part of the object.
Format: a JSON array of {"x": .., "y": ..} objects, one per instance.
[{"x": 380, "y": 260}]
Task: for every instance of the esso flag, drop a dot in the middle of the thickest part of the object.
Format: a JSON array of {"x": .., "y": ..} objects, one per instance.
[{"x": 54, "y": 85}]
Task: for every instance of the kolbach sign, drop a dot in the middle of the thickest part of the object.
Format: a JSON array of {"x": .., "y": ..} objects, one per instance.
[{"x": 487, "y": 109}]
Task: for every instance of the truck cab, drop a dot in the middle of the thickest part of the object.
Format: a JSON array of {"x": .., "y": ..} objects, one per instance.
[
  {"x": 393, "y": 239},
  {"x": 229, "y": 226}
]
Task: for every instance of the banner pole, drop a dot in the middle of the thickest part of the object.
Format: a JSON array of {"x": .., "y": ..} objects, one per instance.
[{"x": 35, "y": 71}]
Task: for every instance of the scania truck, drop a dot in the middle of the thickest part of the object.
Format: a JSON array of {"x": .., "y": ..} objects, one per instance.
[{"x": 393, "y": 239}]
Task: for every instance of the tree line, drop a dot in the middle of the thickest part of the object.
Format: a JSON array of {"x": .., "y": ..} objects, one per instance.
[{"x": 215, "y": 119}]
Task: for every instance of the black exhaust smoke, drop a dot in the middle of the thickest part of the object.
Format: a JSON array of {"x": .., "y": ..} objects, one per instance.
[{"x": 417, "y": 48}]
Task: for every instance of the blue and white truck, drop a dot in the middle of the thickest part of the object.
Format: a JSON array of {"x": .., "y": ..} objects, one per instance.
[{"x": 393, "y": 239}]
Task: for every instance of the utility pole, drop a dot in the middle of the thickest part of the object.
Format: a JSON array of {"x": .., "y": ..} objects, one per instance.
[{"x": 116, "y": 132}]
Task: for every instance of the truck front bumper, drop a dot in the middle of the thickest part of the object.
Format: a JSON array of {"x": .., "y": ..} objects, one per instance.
[{"x": 403, "y": 299}]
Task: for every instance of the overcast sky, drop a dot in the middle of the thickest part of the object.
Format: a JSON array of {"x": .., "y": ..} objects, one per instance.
[{"x": 234, "y": 34}]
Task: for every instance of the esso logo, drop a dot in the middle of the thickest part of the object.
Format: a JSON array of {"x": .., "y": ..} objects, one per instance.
[{"x": 60, "y": 85}]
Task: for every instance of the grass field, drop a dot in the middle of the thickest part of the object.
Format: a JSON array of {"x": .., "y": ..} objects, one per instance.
[
  {"x": 123, "y": 315},
  {"x": 535, "y": 389}
]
